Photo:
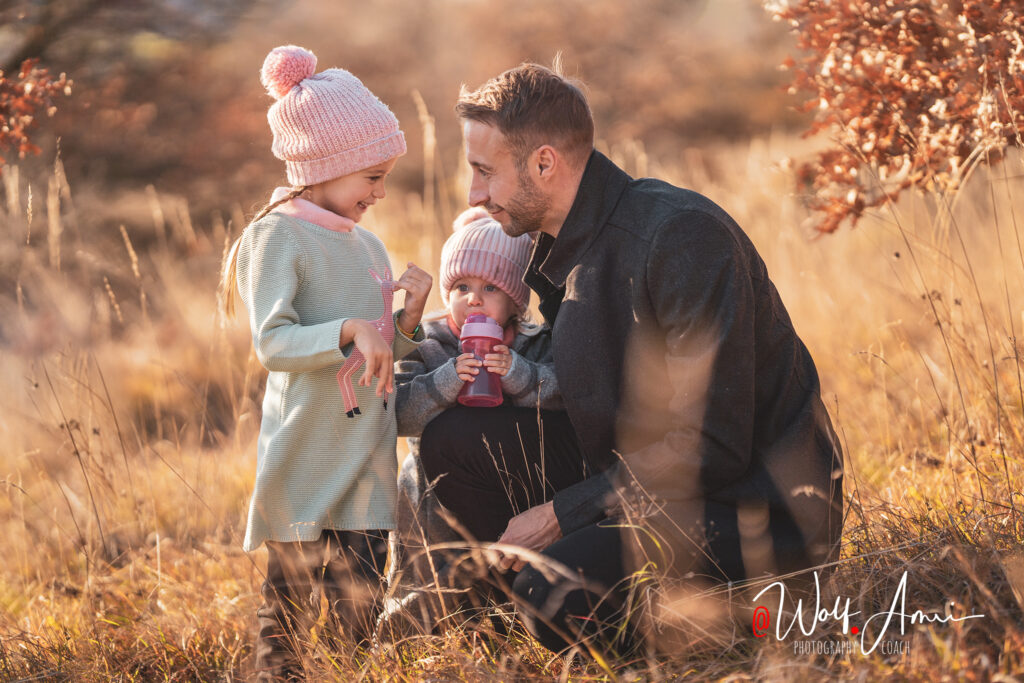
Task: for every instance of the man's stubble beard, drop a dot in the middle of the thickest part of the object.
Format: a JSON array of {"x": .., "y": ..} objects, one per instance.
[{"x": 527, "y": 208}]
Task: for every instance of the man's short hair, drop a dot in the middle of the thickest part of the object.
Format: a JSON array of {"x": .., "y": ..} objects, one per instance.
[{"x": 533, "y": 106}]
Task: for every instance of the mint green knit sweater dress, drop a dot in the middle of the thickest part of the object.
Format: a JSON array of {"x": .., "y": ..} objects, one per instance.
[{"x": 315, "y": 468}]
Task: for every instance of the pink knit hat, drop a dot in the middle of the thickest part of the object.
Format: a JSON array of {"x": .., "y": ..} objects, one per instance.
[
  {"x": 325, "y": 125},
  {"x": 480, "y": 248}
]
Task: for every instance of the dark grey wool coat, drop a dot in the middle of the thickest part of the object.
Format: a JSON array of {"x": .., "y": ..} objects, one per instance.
[{"x": 680, "y": 368}]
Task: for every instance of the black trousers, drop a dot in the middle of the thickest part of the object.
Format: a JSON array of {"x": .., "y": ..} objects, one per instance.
[
  {"x": 493, "y": 463},
  {"x": 341, "y": 571}
]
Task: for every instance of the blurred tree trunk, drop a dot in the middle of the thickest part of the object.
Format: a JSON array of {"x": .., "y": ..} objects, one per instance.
[
  {"x": 50, "y": 25},
  {"x": 41, "y": 24}
]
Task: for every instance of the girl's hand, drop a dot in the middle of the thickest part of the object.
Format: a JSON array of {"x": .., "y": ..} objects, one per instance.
[
  {"x": 417, "y": 283},
  {"x": 466, "y": 367},
  {"x": 500, "y": 361},
  {"x": 379, "y": 359}
]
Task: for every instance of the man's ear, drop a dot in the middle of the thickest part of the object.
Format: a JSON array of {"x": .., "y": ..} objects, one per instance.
[{"x": 546, "y": 161}]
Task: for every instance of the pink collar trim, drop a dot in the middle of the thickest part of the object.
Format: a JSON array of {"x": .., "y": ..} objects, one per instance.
[{"x": 308, "y": 211}]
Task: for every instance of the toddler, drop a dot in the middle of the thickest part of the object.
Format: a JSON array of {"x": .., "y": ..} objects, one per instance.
[{"x": 481, "y": 271}]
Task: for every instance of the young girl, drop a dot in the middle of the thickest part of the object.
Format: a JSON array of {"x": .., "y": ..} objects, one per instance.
[{"x": 318, "y": 290}]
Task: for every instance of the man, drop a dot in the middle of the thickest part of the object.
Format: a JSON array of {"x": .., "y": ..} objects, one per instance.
[{"x": 696, "y": 407}]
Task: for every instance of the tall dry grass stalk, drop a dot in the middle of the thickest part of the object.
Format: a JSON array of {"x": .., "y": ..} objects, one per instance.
[
  {"x": 129, "y": 415},
  {"x": 159, "y": 223},
  {"x": 12, "y": 190}
]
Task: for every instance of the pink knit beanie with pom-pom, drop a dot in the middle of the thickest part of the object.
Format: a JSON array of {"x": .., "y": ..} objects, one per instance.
[
  {"x": 325, "y": 124},
  {"x": 480, "y": 248}
]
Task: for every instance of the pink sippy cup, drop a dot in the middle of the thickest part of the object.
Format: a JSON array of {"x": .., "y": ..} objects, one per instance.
[{"x": 479, "y": 336}]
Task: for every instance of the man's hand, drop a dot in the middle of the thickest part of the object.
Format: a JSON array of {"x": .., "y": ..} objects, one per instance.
[{"x": 535, "y": 529}]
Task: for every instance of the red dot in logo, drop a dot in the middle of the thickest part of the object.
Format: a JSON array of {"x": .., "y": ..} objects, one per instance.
[{"x": 854, "y": 630}]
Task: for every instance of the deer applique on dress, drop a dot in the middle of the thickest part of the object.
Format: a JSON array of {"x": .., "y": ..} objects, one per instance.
[{"x": 386, "y": 326}]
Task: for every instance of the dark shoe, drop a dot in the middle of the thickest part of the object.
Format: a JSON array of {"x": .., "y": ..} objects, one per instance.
[{"x": 276, "y": 652}]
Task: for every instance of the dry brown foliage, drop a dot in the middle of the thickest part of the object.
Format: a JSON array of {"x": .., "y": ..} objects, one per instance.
[
  {"x": 917, "y": 93},
  {"x": 22, "y": 98}
]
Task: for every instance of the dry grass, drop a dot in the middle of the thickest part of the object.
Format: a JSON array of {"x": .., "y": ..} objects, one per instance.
[{"x": 129, "y": 415}]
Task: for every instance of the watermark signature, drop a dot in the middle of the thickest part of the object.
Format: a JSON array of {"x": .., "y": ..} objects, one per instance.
[{"x": 872, "y": 630}]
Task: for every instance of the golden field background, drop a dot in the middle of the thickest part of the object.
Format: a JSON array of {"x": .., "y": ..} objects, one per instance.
[{"x": 129, "y": 411}]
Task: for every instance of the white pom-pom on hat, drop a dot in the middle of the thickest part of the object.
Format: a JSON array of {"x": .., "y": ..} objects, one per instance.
[{"x": 285, "y": 67}]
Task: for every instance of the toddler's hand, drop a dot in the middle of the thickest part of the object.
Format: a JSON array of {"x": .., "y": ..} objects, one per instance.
[
  {"x": 466, "y": 367},
  {"x": 417, "y": 283},
  {"x": 500, "y": 361},
  {"x": 379, "y": 360}
]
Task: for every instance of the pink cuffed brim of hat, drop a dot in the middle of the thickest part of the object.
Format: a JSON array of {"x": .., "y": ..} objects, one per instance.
[
  {"x": 490, "y": 266},
  {"x": 313, "y": 171}
]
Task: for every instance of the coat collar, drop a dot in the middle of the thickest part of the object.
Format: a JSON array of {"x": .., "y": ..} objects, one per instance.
[{"x": 600, "y": 188}]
